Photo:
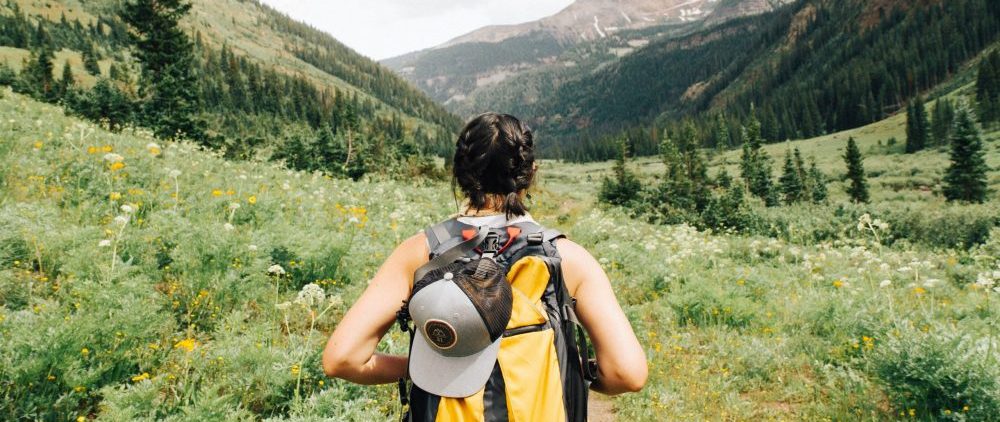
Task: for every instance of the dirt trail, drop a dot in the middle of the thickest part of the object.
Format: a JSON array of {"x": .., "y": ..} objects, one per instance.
[{"x": 600, "y": 408}]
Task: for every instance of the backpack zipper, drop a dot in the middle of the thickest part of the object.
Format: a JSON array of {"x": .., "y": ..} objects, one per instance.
[{"x": 526, "y": 329}]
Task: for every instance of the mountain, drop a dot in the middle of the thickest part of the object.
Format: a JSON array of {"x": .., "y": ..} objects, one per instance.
[
  {"x": 269, "y": 85},
  {"x": 598, "y": 30},
  {"x": 811, "y": 67}
]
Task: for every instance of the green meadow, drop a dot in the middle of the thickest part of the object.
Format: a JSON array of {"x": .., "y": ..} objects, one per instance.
[{"x": 143, "y": 280}]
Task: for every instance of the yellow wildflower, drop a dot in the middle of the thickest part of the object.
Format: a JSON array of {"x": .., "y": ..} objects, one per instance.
[
  {"x": 38, "y": 145},
  {"x": 141, "y": 377},
  {"x": 107, "y": 148},
  {"x": 295, "y": 369},
  {"x": 81, "y": 419},
  {"x": 117, "y": 165},
  {"x": 252, "y": 199},
  {"x": 187, "y": 344},
  {"x": 85, "y": 351},
  {"x": 79, "y": 389},
  {"x": 114, "y": 196},
  {"x": 838, "y": 283},
  {"x": 216, "y": 192},
  {"x": 91, "y": 150},
  {"x": 919, "y": 290}
]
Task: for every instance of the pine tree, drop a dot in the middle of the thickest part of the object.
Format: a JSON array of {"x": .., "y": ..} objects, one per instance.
[
  {"x": 858, "y": 188},
  {"x": 792, "y": 187},
  {"x": 90, "y": 63},
  {"x": 965, "y": 179},
  {"x": 169, "y": 87},
  {"x": 800, "y": 170},
  {"x": 755, "y": 165},
  {"x": 917, "y": 126},
  {"x": 37, "y": 75},
  {"x": 720, "y": 133},
  {"x": 988, "y": 88},
  {"x": 817, "y": 183},
  {"x": 685, "y": 185},
  {"x": 941, "y": 122},
  {"x": 723, "y": 179},
  {"x": 624, "y": 187},
  {"x": 104, "y": 103},
  {"x": 67, "y": 81}
]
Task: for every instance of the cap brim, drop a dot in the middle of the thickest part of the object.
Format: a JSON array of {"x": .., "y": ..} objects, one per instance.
[{"x": 445, "y": 376}]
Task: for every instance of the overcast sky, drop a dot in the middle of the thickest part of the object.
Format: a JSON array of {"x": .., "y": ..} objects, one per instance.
[{"x": 386, "y": 28}]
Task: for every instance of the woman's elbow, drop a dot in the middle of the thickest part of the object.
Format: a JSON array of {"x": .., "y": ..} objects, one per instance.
[
  {"x": 631, "y": 378},
  {"x": 634, "y": 381},
  {"x": 621, "y": 379},
  {"x": 335, "y": 364}
]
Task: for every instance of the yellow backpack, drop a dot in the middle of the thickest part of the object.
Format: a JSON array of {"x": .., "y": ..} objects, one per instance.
[{"x": 542, "y": 371}]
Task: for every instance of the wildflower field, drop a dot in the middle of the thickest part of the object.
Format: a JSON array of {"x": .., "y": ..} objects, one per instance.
[{"x": 150, "y": 280}]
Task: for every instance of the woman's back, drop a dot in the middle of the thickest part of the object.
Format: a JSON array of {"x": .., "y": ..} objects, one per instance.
[{"x": 494, "y": 167}]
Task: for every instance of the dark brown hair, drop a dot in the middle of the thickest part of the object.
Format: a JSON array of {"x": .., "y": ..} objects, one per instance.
[{"x": 494, "y": 156}]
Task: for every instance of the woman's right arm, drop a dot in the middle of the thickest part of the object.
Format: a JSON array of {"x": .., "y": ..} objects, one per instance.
[
  {"x": 350, "y": 351},
  {"x": 621, "y": 361}
]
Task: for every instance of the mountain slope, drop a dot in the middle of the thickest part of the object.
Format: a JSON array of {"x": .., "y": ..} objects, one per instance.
[
  {"x": 810, "y": 68},
  {"x": 598, "y": 30},
  {"x": 262, "y": 74}
]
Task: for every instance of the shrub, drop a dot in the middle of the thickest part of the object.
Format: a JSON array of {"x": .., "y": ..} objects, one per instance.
[{"x": 941, "y": 374}]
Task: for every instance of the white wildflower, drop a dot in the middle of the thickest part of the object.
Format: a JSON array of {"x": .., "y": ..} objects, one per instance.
[
  {"x": 864, "y": 221},
  {"x": 252, "y": 248},
  {"x": 283, "y": 306},
  {"x": 311, "y": 294},
  {"x": 234, "y": 206},
  {"x": 885, "y": 283},
  {"x": 276, "y": 270},
  {"x": 354, "y": 220},
  {"x": 335, "y": 300},
  {"x": 113, "y": 158},
  {"x": 121, "y": 220},
  {"x": 127, "y": 209},
  {"x": 174, "y": 173},
  {"x": 104, "y": 243},
  {"x": 229, "y": 227}
]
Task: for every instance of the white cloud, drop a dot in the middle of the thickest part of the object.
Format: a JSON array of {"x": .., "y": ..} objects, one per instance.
[{"x": 386, "y": 28}]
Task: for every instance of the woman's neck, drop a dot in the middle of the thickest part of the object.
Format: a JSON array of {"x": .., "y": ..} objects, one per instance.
[{"x": 470, "y": 212}]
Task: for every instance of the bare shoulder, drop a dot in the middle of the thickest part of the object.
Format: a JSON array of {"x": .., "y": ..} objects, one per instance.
[
  {"x": 571, "y": 251},
  {"x": 578, "y": 266},
  {"x": 413, "y": 250}
]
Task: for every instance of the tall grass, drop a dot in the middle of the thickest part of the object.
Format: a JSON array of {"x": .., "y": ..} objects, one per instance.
[{"x": 180, "y": 286}]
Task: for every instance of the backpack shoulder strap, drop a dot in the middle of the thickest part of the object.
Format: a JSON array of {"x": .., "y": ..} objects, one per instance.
[
  {"x": 444, "y": 235},
  {"x": 452, "y": 253}
]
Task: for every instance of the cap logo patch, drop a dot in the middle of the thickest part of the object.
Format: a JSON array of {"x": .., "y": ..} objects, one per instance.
[{"x": 441, "y": 333}]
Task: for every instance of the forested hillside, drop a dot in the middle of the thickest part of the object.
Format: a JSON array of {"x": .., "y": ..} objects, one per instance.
[
  {"x": 810, "y": 68},
  {"x": 266, "y": 86}
]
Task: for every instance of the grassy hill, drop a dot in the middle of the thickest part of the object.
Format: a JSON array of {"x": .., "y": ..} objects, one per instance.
[
  {"x": 138, "y": 280},
  {"x": 267, "y": 84}
]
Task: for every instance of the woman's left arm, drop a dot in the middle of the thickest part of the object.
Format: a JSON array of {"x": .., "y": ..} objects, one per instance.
[{"x": 350, "y": 352}]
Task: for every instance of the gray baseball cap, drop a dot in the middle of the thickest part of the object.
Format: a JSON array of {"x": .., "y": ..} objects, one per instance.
[{"x": 459, "y": 315}]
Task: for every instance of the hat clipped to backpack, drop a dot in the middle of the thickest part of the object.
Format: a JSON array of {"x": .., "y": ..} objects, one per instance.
[{"x": 460, "y": 312}]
